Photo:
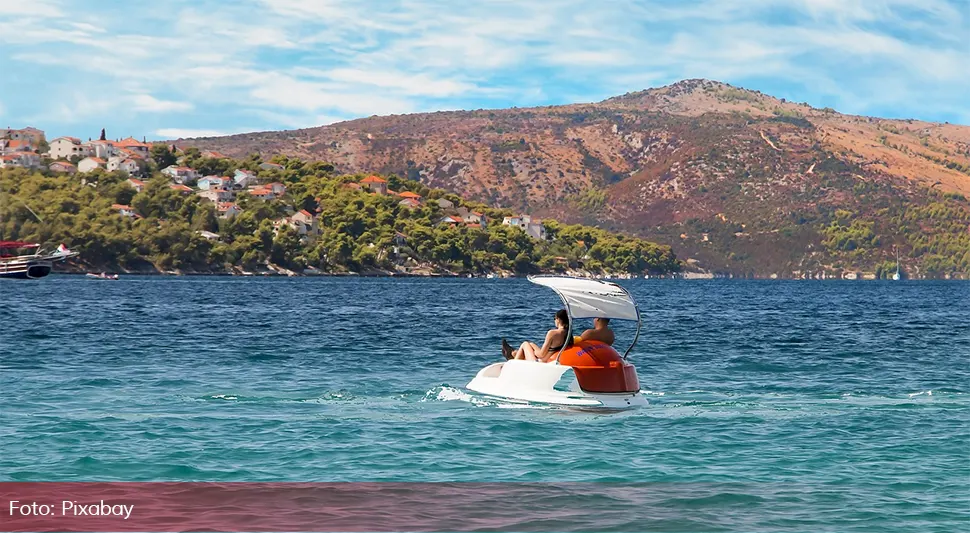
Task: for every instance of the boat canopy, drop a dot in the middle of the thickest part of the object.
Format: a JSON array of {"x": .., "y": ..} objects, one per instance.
[{"x": 590, "y": 298}]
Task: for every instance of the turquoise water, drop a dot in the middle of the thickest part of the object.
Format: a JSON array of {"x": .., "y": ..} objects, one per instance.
[{"x": 851, "y": 398}]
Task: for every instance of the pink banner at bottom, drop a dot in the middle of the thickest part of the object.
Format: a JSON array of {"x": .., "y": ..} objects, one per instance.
[{"x": 404, "y": 507}]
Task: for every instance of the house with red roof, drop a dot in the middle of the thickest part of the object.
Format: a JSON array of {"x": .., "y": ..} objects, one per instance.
[
  {"x": 212, "y": 154},
  {"x": 227, "y": 209},
  {"x": 11, "y": 161},
  {"x": 375, "y": 184},
  {"x": 124, "y": 210},
  {"x": 63, "y": 167},
  {"x": 411, "y": 195},
  {"x": 217, "y": 196},
  {"x": 178, "y": 187},
  {"x": 474, "y": 217},
  {"x": 450, "y": 220},
  {"x": 180, "y": 174},
  {"x": 32, "y": 135},
  {"x": 136, "y": 146},
  {"x": 89, "y": 164},
  {"x": 16, "y": 145},
  {"x": 138, "y": 185},
  {"x": 262, "y": 193},
  {"x": 410, "y": 203}
]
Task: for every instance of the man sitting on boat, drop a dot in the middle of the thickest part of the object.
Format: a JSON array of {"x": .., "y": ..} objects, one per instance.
[
  {"x": 556, "y": 339},
  {"x": 601, "y": 332}
]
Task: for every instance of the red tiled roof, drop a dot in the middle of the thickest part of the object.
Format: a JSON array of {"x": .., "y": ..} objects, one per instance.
[
  {"x": 97, "y": 160},
  {"x": 180, "y": 187},
  {"x": 409, "y": 194},
  {"x": 120, "y": 206},
  {"x": 139, "y": 183},
  {"x": 305, "y": 212},
  {"x": 475, "y": 225},
  {"x": 17, "y": 143},
  {"x": 131, "y": 141},
  {"x": 62, "y": 164},
  {"x": 9, "y": 157},
  {"x": 225, "y": 206},
  {"x": 373, "y": 179}
]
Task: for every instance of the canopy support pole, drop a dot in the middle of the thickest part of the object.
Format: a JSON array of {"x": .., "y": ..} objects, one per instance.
[{"x": 569, "y": 329}]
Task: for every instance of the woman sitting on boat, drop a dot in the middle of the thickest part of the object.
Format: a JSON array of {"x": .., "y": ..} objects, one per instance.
[{"x": 556, "y": 340}]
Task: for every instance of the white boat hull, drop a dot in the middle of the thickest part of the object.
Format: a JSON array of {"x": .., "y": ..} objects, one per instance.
[{"x": 546, "y": 383}]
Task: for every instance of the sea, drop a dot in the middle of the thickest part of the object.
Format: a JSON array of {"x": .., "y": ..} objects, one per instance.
[{"x": 773, "y": 405}]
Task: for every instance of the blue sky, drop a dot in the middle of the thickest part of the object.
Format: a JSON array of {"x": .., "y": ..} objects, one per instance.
[{"x": 180, "y": 68}]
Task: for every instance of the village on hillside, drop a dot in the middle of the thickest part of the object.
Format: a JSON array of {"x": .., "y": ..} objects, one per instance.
[{"x": 28, "y": 148}]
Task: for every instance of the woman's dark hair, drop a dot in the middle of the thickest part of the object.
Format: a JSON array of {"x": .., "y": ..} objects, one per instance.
[{"x": 563, "y": 317}]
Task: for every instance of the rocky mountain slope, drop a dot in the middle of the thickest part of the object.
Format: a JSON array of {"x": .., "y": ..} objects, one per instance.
[{"x": 737, "y": 180}]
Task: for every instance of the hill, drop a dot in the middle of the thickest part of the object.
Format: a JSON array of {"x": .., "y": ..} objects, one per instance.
[{"x": 735, "y": 180}]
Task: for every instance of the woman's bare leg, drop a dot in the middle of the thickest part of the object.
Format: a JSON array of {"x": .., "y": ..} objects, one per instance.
[{"x": 529, "y": 351}]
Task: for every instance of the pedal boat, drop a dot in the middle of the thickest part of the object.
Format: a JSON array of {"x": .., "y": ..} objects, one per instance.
[{"x": 587, "y": 374}]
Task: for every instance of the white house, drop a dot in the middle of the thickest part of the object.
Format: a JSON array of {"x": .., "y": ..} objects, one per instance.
[
  {"x": 214, "y": 182},
  {"x": 376, "y": 184},
  {"x": 228, "y": 209},
  {"x": 533, "y": 228},
  {"x": 244, "y": 179},
  {"x": 180, "y": 174},
  {"x": 124, "y": 210},
  {"x": 90, "y": 163},
  {"x": 208, "y": 235},
  {"x": 67, "y": 147},
  {"x": 474, "y": 217},
  {"x": 306, "y": 221},
  {"x": 217, "y": 195},
  {"x": 138, "y": 185},
  {"x": 124, "y": 164},
  {"x": 101, "y": 149}
]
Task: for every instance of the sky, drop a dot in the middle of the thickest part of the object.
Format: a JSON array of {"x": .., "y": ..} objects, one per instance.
[{"x": 184, "y": 68}]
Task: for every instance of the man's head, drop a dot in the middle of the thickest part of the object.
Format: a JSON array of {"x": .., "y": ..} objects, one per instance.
[{"x": 601, "y": 322}]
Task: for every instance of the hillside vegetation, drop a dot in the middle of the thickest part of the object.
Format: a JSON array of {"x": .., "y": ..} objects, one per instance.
[
  {"x": 358, "y": 231},
  {"x": 735, "y": 181}
]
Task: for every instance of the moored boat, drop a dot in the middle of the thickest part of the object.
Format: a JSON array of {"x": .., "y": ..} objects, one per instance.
[{"x": 23, "y": 260}]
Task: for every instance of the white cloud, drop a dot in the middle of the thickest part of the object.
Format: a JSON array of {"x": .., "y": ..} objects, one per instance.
[
  {"x": 150, "y": 104},
  {"x": 300, "y": 63}
]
